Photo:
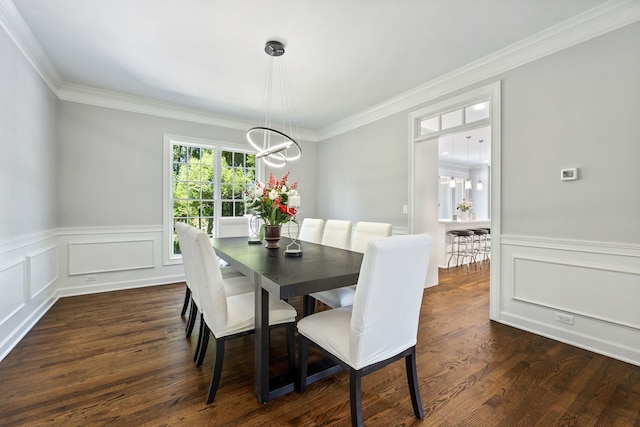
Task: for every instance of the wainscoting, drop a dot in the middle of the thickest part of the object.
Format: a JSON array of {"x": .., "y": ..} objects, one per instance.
[
  {"x": 545, "y": 283},
  {"x": 578, "y": 292},
  {"x": 29, "y": 272},
  {"x": 38, "y": 269}
]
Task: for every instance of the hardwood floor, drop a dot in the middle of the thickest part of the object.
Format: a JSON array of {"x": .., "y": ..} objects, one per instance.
[{"x": 121, "y": 358}]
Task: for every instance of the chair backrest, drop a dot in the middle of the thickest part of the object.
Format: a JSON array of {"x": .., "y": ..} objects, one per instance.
[
  {"x": 188, "y": 259},
  {"x": 233, "y": 226},
  {"x": 181, "y": 231},
  {"x": 368, "y": 231},
  {"x": 212, "y": 294},
  {"x": 386, "y": 308},
  {"x": 337, "y": 233},
  {"x": 311, "y": 230}
]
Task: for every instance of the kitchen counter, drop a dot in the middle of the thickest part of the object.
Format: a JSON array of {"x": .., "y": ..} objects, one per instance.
[{"x": 442, "y": 241}]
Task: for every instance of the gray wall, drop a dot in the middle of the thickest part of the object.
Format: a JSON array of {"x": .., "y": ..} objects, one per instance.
[
  {"x": 565, "y": 247},
  {"x": 28, "y": 194},
  {"x": 28, "y": 167},
  {"x": 111, "y": 165},
  {"x": 577, "y": 108},
  {"x": 363, "y": 173}
]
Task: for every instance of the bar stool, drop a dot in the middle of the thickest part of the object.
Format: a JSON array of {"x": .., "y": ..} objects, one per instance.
[
  {"x": 480, "y": 248},
  {"x": 461, "y": 247},
  {"x": 488, "y": 238}
]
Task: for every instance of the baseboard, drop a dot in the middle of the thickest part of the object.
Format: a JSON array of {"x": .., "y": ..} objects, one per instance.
[
  {"x": 583, "y": 293},
  {"x": 596, "y": 345},
  {"x": 12, "y": 340},
  {"x": 119, "y": 286}
]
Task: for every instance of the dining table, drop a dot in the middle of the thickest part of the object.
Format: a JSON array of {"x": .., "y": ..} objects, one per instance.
[{"x": 316, "y": 268}]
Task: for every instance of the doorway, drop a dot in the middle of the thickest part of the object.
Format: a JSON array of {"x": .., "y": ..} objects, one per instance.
[{"x": 457, "y": 117}]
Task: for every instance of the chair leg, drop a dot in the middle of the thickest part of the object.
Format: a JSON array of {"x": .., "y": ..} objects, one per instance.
[
  {"x": 412, "y": 378},
  {"x": 193, "y": 313},
  {"x": 187, "y": 298},
  {"x": 217, "y": 370},
  {"x": 303, "y": 355},
  {"x": 199, "y": 342},
  {"x": 291, "y": 346},
  {"x": 308, "y": 305},
  {"x": 355, "y": 380},
  {"x": 203, "y": 342}
]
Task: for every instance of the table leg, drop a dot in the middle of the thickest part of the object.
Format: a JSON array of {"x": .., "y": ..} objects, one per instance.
[
  {"x": 261, "y": 347},
  {"x": 266, "y": 388}
]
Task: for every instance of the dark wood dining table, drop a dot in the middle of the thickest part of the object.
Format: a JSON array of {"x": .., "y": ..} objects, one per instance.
[{"x": 319, "y": 268}]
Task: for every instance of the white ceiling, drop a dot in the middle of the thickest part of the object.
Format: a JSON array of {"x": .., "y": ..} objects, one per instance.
[{"x": 342, "y": 56}]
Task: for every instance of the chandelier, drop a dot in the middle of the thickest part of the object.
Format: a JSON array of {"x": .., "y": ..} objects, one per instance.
[{"x": 276, "y": 146}]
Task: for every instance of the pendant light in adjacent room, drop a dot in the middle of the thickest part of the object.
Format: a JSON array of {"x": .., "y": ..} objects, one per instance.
[
  {"x": 479, "y": 186},
  {"x": 452, "y": 181},
  {"x": 467, "y": 182}
]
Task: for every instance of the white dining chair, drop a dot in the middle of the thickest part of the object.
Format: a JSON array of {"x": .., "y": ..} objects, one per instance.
[
  {"x": 181, "y": 229},
  {"x": 337, "y": 233},
  {"x": 230, "y": 316},
  {"x": 232, "y": 226},
  {"x": 311, "y": 230},
  {"x": 364, "y": 233},
  {"x": 234, "y": 284},
  {"x": 374, "y": 332}
]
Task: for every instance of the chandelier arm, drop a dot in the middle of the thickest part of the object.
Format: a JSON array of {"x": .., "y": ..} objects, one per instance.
[
  {"x": 278, "y": 154},
  {"x": 288, "y": 143}
]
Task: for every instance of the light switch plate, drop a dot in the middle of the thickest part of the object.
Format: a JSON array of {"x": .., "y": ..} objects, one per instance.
[{"x": 570, "y": 174}]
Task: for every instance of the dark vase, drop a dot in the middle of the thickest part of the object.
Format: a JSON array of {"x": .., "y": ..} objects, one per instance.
[{"x": 272, "y": 236}]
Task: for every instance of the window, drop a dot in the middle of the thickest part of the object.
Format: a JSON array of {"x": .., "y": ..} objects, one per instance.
[
  {"x": 471, "y": 114},
  {"x": 238, "y": 172},
  {"x": 206, "y": 180}
]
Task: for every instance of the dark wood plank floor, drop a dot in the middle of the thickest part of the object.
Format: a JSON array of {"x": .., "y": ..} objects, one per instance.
[{"x": 121, "y": 358}]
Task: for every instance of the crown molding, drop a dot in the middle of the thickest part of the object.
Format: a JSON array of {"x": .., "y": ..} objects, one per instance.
[
  {"x": 136, "y": 104},
  {"x": 590, "y": 24},
  {"x": 18, "y": 31}
]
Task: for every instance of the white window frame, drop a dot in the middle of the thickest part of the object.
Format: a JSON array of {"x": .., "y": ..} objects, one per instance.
[{"x": 168, "y": 258}]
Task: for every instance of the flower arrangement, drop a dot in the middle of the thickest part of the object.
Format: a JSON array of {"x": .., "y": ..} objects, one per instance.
[
  {"x": 465, "y": 205},
  {"x": 270, "y": 201}
]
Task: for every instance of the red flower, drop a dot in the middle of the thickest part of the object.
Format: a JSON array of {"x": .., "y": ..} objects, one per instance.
[{"x": 273, "y": 212}]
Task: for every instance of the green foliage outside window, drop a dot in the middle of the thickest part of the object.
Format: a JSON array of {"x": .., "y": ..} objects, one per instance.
[{"x": 194, "y": 185}]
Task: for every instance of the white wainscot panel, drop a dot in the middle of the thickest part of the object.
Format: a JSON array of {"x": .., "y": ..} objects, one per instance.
[
  {"x": 11, "y": 289},
  {"x": 108, "y": 256},
  {"x": 43, "y": 269},
  {"x": 597, "y": 291}
]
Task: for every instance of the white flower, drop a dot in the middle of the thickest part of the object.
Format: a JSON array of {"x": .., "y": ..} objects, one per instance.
[
  {"x": 273, "y": 194},
  {"x": 257, "y": 192},
  {"x": 465, "y": 205},
  {"x": 293, "y": 193}
]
